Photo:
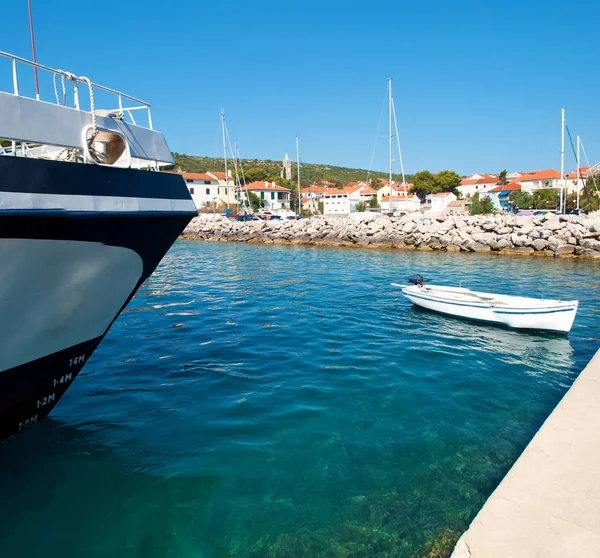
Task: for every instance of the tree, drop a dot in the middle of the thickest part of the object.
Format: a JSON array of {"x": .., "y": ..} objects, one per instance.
[
  {"x": 424, "y": 184},
  {"x": 521, "y": 200},
  {"x": 502, "y": 180},
  {"x": 320, "y": 207},
  {"x": 360, "y": 206},
  {"x": 255, "y": 174},
  {"x": 254, "y": 200},
  {"x": 545, "y": 199},
  {"x": 480, "y": 206},
  {"x": 447, "y": 181},
  {"x": 373, "y": 203},
  {"x": 589, "y": 197},
  {"x": 376, "y": 183}
]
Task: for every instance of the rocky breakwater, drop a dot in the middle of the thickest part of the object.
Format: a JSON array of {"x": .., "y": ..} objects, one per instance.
[{"x": 550, "y": 235}]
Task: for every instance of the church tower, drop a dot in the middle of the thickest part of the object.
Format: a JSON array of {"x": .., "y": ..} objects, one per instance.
[{"x": 286, "y": 171}]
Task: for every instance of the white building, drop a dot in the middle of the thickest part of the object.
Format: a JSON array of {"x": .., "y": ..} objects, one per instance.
[
  {"x": 336, "y": 202},
  {"x": 399, "y": 189},
  {"x": 344, "y": 202},
  {"x": 576, "y": 181},
  {"x": 541, "y": 180},
  {"x": 435, "y": 204},
  {"x": 500, "y": 195},
  {"x": 272, "y": 195},
  {"x": 477, "y": 183},
  {"x": 314, "y": 192},
  {"x": 226, "y": 190},
  {"x": 203, "y": 188},
  {"x": 405, "y": 204}
]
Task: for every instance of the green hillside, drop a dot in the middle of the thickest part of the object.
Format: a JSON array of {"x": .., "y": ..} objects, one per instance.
[{"x": 265, "y": 169}]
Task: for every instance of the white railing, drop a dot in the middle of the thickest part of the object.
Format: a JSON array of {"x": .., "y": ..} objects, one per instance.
[{"x": 77, "y": 80}]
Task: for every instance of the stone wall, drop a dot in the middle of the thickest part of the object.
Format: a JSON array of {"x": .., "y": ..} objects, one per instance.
[{"x": 555, "y": 236}]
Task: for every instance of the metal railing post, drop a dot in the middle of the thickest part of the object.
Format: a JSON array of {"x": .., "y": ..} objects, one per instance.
[
  {"x": 76, "y": 94},
  {"x": 15, "y": 77},
  {"x": 149, "y": 118}
]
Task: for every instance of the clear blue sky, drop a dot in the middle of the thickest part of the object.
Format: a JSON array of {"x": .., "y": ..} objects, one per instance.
[{"x": 478, "y": 85}]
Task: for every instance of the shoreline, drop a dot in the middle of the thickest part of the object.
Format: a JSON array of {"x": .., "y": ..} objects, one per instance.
[{"x": 565, "y": 236}]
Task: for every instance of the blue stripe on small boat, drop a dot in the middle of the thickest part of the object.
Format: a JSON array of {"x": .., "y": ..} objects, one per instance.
[{"x": 488, "y": 307}]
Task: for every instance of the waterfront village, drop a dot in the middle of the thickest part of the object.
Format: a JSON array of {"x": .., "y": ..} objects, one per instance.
[{"x": 214, "y": 192}]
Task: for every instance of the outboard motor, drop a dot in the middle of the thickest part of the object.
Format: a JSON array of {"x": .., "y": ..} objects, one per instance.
[{"x": 416, "y": 279}]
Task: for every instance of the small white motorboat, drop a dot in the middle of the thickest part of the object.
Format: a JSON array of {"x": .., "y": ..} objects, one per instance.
[{"x": 511, "y": 311}]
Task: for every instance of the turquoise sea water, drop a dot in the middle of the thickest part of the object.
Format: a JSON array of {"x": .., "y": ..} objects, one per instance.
[{"x": 286, "y": 401}]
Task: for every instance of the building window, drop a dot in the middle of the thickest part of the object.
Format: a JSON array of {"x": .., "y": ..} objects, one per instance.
[
  {"x": 262, "y": 195},
  {"x": 189, "y": 180},
  {"x": 207, "y": 182},
  {"x": 272, "y": 195},
  {"x": 192, "y": 191},
  {"x": 208, "y": 191}
]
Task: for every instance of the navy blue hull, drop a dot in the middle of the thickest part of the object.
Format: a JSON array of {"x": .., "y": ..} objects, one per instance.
[{"x": 28, "y": 392}]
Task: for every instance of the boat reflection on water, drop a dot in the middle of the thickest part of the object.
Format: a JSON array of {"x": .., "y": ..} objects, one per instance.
[{"x": 539, "y": 350}]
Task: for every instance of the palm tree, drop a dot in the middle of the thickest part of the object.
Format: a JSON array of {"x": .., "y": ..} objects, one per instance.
[{"x": 502, "y": 181}]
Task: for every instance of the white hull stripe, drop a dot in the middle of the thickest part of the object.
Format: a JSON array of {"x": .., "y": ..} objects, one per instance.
[{"x": 68, "y": 202}]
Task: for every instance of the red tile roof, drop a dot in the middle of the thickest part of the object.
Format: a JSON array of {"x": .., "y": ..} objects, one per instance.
[
  {"x": 513, "y": 186},
  {"x": 546, "y": 174},
  {"x": 441, "y": 194},
  {"x": 582, "y": 170},
  {"x": 261, "y": 185},
  {"x": 487, "y": 179},
  {"x": 314, "y": 190},
  {"x": 193, "y": 175},
  {"x": 219, "y": 174},
  {"x": 400, "y": 198}
]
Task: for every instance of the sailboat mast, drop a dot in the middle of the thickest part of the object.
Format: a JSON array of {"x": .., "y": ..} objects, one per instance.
[
  {"x": 236, "y": 181},
  {"x": 225, "y": 158},
  {"x": 391, "y": 137},
  {"x": 562, "y": 161},
  {"x": 299, "y": 212},
  {"x": 578, "y": 170}
]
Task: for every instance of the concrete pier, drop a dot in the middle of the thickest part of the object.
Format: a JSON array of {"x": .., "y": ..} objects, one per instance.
[{"x": 548, "y": 505}]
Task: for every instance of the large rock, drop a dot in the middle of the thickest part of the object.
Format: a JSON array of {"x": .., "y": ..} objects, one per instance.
[
  {"x": 591, "y": 254},
  {"x": 552, "y": 224},
  {"x": 478, "y": 247},
  {"x": 484, "y": 238},
  {"x": 524, "y": 250},
  {"x": 527, "y": 228},
  {"x": 564, "y": 250},
  {"x": 502, "y": 244},
  {"x": 590, "y": 244},
  {"x": 410, "y": 227},
  {"x": 540, "y": 244},
  {"x": 380, "y": 237},
  {"x": 520, "y": 240}
]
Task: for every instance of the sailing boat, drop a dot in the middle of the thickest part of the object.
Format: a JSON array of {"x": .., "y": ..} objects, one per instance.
[{"x": 397, "y": 206}]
